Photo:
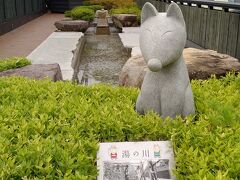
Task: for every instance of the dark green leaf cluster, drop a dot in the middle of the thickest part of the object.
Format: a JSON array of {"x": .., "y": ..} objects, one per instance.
[
  {"x": 13, "y": 63},
  {"x": 52, "y": 130},
  {"x": 86, "y": 3},
  {"x": 94, "y": 7}
]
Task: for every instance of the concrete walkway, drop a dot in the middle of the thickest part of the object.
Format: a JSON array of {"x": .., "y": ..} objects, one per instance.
[
  {"x": 57, "y": 48},
  {"x": 23, "y": 40}
]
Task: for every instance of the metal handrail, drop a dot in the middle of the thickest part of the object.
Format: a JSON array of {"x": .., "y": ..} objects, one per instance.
[{"x": 225, "y": 5}]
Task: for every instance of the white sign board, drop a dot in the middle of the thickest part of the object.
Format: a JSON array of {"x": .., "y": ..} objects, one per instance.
[{"x": 150, "y": 160}]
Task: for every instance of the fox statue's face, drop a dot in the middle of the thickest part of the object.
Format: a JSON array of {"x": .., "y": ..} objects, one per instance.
[{"x": 162, "y": 36}]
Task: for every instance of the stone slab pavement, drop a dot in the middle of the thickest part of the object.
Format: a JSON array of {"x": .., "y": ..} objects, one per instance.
[
  {"x": 24, "y": 39},
  {"x": 57, "y": 48},
  {"x": 130, "y": 37}
]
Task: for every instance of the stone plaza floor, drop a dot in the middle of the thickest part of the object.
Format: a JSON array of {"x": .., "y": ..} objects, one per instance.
[{"x": 24, "y": 39}]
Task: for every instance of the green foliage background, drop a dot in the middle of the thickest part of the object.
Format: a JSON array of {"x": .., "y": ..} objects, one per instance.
[
  {"x": 52, "y": 130},
  {"x": 87, "y": 10}
]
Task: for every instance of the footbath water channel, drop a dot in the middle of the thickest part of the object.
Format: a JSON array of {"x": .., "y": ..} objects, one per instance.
[{"x": 101, "y": 58}]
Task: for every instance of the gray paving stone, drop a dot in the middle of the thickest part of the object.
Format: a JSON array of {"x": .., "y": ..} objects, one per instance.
[{"x": 57, "y": 48}]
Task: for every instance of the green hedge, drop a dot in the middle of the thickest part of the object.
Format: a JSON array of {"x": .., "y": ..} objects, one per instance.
[
  {"x": 128, "y": 10},
  {"x": 68, "y": 13},
  {"x": 52, "y": 130},
  {"x": 86, "y": 13},
  {"x": 13, "y": 63}
]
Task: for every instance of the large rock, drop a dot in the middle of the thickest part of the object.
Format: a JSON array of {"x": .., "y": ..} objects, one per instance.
[
  {"x": 36, "y": 71},
  {"x": 72, "y": 25},
  {"x": 201, "y": 64},
  {"x": 133, "y": 72},
  {"x": 124, "y": 20}
]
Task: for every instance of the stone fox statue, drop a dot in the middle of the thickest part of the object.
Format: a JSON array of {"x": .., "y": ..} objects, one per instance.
[{"x": 166, "y": 88}]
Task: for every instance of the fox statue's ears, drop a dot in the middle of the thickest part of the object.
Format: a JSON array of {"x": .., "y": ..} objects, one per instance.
[
  {"x": 148, "y": 11},
  {"x": 173, "y": 11}
]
